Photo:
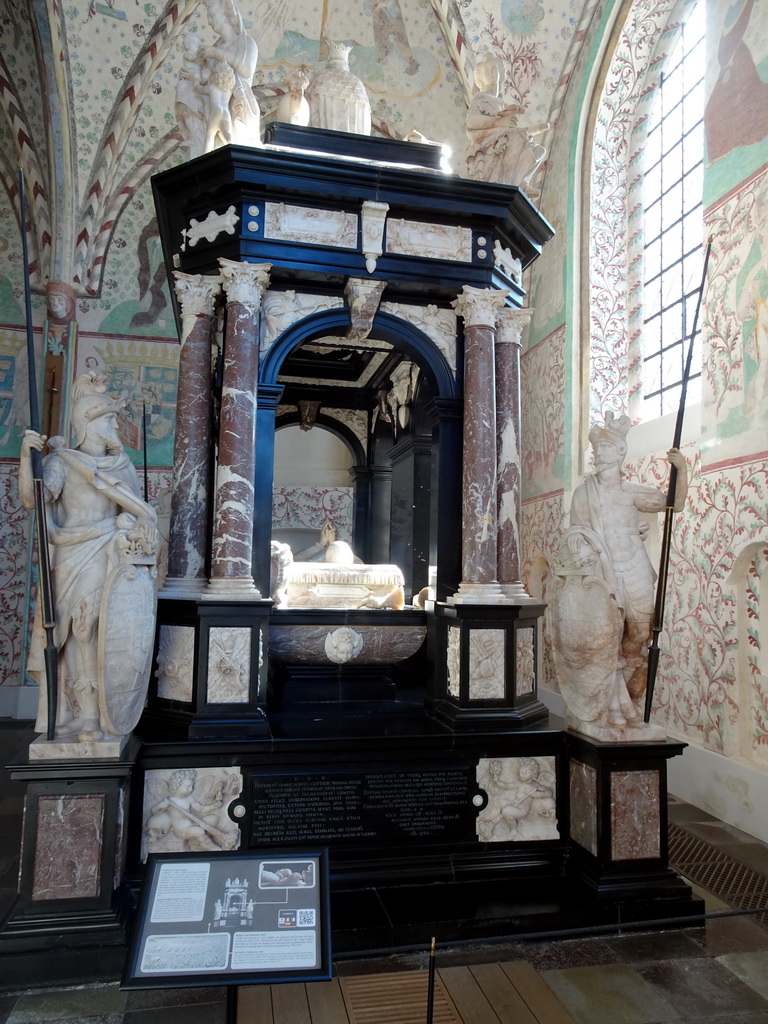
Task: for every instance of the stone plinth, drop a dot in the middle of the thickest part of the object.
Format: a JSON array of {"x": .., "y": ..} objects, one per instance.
[
  {"x": 490, "y": 665},
  {"x": 618, "y": 819}
]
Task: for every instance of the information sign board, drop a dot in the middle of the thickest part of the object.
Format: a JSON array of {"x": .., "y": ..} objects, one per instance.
[{"x": 231, "y": 919}]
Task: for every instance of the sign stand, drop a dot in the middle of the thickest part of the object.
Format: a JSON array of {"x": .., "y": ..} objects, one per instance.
[{"x": 231, "y": 919}]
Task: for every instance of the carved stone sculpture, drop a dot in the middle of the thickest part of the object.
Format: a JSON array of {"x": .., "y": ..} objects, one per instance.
[
  {"x": 281, "y": 561},
  {"x": 601, "y": 605},
  {"x": 342, "y": 582},
  {"x": 337, "y": 98},
  {"x": 103, "y": 539},
  {"x": 186, "y": 810},
  {"x": 521, "y": 799},
  {"x": 293, "y": 107},
  {"x": 343, "y": 645},
  {"x": 499, "y": 149},
  {"x": 215, "y": 105}
]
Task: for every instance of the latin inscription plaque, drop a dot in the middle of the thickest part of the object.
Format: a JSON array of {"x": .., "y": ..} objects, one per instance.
[{"x": 380, "y": 804}]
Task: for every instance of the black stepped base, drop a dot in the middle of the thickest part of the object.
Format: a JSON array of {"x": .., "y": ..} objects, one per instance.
[
  {"x": 382, "y": 921},
  {"x": 374, "y": 922}
]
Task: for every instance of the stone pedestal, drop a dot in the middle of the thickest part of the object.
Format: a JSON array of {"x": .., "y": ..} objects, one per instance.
[
  {"x": 618, "y": 820},
  {"x": 491, "y": 665},
  {"x": 209, "y": 677},
  {"x": 71, "y": 900}
]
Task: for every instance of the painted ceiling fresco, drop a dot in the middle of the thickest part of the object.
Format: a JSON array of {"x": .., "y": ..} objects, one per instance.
[{"x": 92, "y": 119}]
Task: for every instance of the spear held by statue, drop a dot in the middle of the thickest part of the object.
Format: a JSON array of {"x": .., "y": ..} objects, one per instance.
[
  {"x": 47, "y": 605},
  {"x": 669, "y": 511}
]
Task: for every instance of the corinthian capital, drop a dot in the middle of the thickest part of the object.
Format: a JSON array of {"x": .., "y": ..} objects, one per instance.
[
  {"x": 479, "y": 306},
  {"x": 245, "y": 282},
  {"x": 196, "y": 294},
  {"x": 510, "y": 323}
]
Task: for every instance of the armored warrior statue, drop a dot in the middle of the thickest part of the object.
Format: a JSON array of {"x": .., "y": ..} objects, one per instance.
[
  {"x": 601, "y": 605},
  {"x": 103, "y": 540}
]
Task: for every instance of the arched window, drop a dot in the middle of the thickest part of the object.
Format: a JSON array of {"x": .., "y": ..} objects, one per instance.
[
  {"x": 673, "y": 227},
  {"x": 642, "y": 55}
]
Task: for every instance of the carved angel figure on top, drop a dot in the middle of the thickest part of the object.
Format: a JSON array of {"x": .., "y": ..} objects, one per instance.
[
  {"x": 500, "y": 149},
  {"x": 601, "y": 605},
  {"x": 215, "y": 104}
]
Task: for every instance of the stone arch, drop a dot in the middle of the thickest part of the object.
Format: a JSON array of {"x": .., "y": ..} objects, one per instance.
[
  {"x": 386, "y": 327},
  {"x": 445, "y": 410}
]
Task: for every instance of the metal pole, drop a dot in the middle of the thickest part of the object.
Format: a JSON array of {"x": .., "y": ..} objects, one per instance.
[
  {"x": 669, "y": 511},
  {"x": 48, "y": 608}
]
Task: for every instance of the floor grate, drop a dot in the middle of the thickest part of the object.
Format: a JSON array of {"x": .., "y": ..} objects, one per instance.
[
  {"x": 737, "y": 885},
  {"x": 395, "y": 999}
]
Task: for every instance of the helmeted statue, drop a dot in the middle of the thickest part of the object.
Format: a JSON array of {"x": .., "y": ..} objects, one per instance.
[
  {"x": 602, "y": 600},
  {"x": 103, "y": 543}
]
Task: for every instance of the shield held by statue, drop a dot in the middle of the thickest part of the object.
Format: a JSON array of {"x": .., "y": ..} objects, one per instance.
[
  {"x": 126, "y": 643},
  {"x": 583, "y": 624}
]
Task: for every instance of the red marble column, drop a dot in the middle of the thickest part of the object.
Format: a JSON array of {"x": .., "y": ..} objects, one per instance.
[
  {"x": 479, "y": 308},
  {"x": 232, "y": 547},
  {"x": 188, "y": 540},
  {"x": 509, "y": 329}
]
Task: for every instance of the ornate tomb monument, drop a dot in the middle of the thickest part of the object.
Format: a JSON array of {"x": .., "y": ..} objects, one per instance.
[{"x": 356, "y": 665}]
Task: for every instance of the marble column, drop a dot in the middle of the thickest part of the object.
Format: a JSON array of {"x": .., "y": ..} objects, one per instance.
[
  {"x": 232, "y": 547},
  {"x": 479, "y": 309},
  {"x": 509, "y": 329},
  {"x": 188, "y": 540}
]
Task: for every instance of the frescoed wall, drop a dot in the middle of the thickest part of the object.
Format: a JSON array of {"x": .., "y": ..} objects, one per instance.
[{"x": 711, "y": 688}]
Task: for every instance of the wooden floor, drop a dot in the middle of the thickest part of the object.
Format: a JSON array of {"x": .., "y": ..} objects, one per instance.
[{"x": 504, "y": 993}]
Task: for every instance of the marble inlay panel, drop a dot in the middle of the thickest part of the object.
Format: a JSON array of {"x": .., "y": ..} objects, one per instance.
[
  {"x": 486, "y": 664},
  {"x": 521, "y": 799},
  {"x": 210, "y": 228},
  {"x": 187, "y": 809},
  {"x": 429, "y": 241},
  {"x": 453, "y": 658},
  {"x": 68, "y": 842},
  {"x": 175, "y": 663},
  {"x": 229, "y": 664},
  {"x": 584, "y": 806},
  {"x": 526, "y": 663},
  {"x": 307, "y": 224},
  {"x": 635, "y": 815}
]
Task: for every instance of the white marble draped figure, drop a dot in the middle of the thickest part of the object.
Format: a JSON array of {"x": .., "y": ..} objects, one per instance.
[
  {"x": 215, "y": 104},
  {"x": 500, "y": 149}
]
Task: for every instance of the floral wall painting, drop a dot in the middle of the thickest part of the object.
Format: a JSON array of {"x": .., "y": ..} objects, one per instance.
[
  {"x": 735, "y": 324},
  {"x": 542, "y": 396},
  {"x": 736, "y": 114}
]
